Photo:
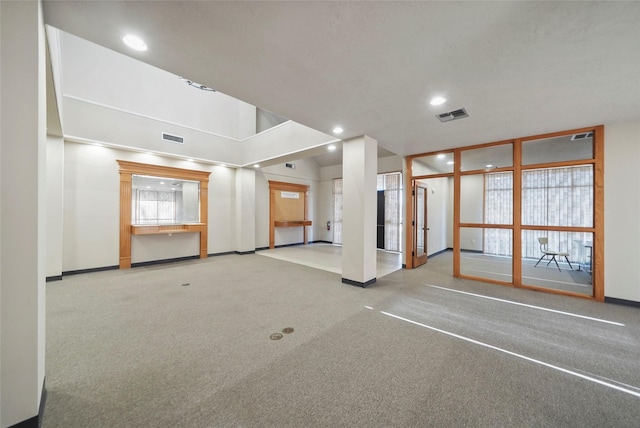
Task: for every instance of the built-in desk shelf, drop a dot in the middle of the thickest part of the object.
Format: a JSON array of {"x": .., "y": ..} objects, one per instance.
[
  {"x": 291, "y": 223},
  {"x": 161, "y": 229}
]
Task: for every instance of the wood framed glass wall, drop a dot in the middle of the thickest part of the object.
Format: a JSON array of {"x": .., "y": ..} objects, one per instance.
[{"x": 526, "y": 212}]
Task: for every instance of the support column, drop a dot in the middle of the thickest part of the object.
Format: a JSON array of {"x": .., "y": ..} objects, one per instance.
[
  {"x": 22, "y": 212},
  {"x": 359, "y": 177},
  {"x": 245, "y": 211}
]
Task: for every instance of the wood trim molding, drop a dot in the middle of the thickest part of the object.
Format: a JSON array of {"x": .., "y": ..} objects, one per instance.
[
  {"x": 126, "y": 170},
  {"x": 275, "y": 186},
  {"x": 597, "y": 230}
]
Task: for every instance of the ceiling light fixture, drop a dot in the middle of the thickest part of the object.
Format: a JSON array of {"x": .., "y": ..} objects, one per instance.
[
  {"x": 489, "y": 166},
  {"x": 256, "y": 166},
  {"x": 436, "y": 101},
  {"x": 135, "y": 42},
  {"x": 337, "y": 130},
  {"x": 197, "y": 85},
  {"x": 331, "y": 147}
]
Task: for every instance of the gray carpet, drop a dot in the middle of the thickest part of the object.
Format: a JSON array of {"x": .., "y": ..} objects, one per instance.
[{"x": 137, "y": 348}]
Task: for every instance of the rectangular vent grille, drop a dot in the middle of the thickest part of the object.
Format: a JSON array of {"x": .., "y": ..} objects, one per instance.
[
  {"x": 453, "y": 115},
  {"x": 172, "y": 138},
  {"x": 582, "y": 136}
]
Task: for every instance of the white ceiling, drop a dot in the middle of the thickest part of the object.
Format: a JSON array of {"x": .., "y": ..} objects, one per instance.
[{"x": 519, "y": 68}]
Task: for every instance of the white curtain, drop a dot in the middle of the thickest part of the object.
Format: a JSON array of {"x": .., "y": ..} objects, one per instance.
[
  {"x": 154, "y": 207},
  {"x": 392, "y": 186},
  {"x": 392, "y": 211},
  {"x": 550, "y": 197},
  {"x": 337, "y": 211}
]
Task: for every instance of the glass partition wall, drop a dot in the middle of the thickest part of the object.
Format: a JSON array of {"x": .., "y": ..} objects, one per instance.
[{"x": 525, "y": 213}]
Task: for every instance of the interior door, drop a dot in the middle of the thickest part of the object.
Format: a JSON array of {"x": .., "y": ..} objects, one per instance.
[{"x": 419, "y": 224}]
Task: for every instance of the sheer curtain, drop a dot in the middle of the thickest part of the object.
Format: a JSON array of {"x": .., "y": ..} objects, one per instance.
[
  {"x": 550, "y": 197},
  {"x": 155, "y": 207},
  {"x": 498, "y": 209},
  {"x": 392, "y": 186},
  {"x": 393, "y": 211},
  {"x": 337, "y": 211}
]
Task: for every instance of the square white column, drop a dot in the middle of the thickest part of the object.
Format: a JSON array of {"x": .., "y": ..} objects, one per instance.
[{"x": 359, "y": 210}]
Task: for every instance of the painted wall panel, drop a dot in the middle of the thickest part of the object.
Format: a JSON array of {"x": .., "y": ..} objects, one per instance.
[{"x": 622, "y": 210}]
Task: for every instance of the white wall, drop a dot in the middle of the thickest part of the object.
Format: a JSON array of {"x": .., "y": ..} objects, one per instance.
[
  {"x": 92, "y": 72},
  {"x": 438, "y": 216},
  {"x": 306, "y": 172},
  {"x": 55, "y": 182},
  {"x": 622, "y": 211},
  {"x": 22, "y": 210},
  {"x": 92, "y": 216}
]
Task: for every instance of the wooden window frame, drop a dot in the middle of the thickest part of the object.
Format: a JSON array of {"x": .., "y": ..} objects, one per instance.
[
  {"x": 517, "y": 227},
  {"x": 127, "y": 170}
]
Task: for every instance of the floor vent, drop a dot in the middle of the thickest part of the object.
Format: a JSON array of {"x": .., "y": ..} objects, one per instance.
[
  {"x": 453, "y": 115},
  {"x": 172, "y": 138},
  {"x": 583, "y": 136}
]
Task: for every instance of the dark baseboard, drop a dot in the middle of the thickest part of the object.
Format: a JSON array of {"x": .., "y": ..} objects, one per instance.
[
  {"x": 357, "y": 283},
  {"x": 244, "y": 253},
  {"x": 262, "y": 248},
  {"x": 163, "y": 261},
  {"x": 99, "y": 269},
  {"x": 289, "y": 245},
  {"x": 404, "y": 265},
  {"x": 226, "y": 253},
  {"x": 36, "y": 421},
  {"x": 320, "y": 242},
  {"x": 472, "y": 251},
  {"x": 438, "y": 252},
  {"x": 623, "y": 302},
  {"x": 54, "y": 278}
]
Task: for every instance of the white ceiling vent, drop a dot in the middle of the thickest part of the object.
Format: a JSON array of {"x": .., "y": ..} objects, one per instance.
[
  {"x": 173, "y": 138},
  {"x": 453, "y": 115},
  {"x": 582, "y": 136}
]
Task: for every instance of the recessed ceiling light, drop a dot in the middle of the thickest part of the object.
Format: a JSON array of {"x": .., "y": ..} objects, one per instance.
[
  {"x": 256, "y": 166},
  {"x": 441, "y": 156},
  {"x": 331, "y": 148},
  {"x": 162, "y": 182},
  {"x": 337, "y": 130},
  {"x": 450, "y": 163},
  {"x": 134, "y": 42},
  {"x": 436, "y": 101},
  {"x": 489, "y": 166}
]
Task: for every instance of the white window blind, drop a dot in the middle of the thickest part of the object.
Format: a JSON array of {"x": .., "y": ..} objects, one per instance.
[{"x": 498, "y": 209}]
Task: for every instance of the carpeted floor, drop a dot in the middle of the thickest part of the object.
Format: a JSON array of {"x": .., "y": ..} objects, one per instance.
[{"x": 141, "y": 348}]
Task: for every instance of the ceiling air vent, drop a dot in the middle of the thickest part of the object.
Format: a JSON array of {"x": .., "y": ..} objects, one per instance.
[
  {"x": 452, "y": 115},
  {"x": 172, "y": 138},
  {"x": 582, "y": 136}
]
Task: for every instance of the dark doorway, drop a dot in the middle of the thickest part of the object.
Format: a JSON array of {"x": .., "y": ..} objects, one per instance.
[{"x": 380, "y": 219}]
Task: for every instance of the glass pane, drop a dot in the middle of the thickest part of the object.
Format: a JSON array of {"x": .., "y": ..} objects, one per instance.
[
  {"x": 558, "y": 149},
  {"x": 558, "y": 196},
  {"x": 472, "y": 198},
  {"x": 486, "y": 253},
  {"x": 498, "y": 198},
  {"x": 432, "y": 164},
  {"x": 161, "y": 200},
  {"x": 487, "y": 158},
  {"x": 558, "y": 260},
  {"x": 421, "y": 194}
]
